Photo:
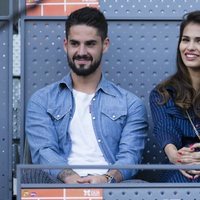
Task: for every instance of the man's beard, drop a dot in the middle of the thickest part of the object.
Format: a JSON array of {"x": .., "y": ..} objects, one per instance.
[{"x": 81, "y": 71}]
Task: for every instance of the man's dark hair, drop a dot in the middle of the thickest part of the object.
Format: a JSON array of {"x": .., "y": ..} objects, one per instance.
[{"x": 88, "y": 16}]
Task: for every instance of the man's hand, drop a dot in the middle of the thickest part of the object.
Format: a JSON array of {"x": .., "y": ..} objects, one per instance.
[
  {"x": 93, "y": 179},
  {"x": 69, "y": 176},
  {"x": 101, "y": 178}
]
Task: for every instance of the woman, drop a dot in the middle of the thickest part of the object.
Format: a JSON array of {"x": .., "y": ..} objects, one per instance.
[{"x": 175, "y": 105}]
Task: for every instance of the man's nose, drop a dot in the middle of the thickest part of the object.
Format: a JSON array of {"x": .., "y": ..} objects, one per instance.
[{"x": 82, "y": 50}]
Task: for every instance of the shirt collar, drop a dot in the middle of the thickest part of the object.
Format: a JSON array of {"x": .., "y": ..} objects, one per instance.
[
  {"x": 66, "y": 82},
  {"x": 103, "y": 84}
]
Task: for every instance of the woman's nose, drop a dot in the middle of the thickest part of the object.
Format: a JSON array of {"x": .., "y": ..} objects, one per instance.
[{"x": 191, "y": 46}]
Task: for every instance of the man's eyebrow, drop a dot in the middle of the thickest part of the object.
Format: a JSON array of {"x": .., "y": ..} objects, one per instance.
[
  {"x": 91, "y": 41},
  {"x": 72, "y": 40}
]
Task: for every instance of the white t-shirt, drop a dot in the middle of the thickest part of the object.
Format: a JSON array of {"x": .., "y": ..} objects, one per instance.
[{"x": 85, "y": 149}]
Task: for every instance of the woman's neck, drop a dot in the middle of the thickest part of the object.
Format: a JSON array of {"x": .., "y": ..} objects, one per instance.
[{"x": 195, "y": 77}]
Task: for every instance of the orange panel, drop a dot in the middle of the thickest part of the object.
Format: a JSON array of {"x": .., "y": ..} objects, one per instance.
[
  {"x": 42, "y": 192},
  {"x": 86, "y": 192},
  {"x": 64, "y": 1},
  {"x": 82, "y": 1},
  {"x": 43, "y": 1},
  {"x": 59, "y": 10},
  {"x": 54, "y": 1},
  {"x": 71, "y": 8},
  {"x": 54, "y": 10},
  {"x": 36, "y": 11}
]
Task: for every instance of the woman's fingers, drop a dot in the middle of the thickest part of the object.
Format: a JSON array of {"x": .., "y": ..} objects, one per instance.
[{"x": 186, "y": 174}]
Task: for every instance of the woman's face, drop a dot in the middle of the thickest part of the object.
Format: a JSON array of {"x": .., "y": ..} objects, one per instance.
[{"x": 190, "y": 46}]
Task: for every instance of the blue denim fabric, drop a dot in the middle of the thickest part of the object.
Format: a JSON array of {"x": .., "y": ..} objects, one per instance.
[{"x": 119, "y": 120}]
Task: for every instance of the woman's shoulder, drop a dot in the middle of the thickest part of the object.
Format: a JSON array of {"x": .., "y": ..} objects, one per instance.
[
  {"x": 158, "y": 91},
  {"x": 159, "y": 95}
]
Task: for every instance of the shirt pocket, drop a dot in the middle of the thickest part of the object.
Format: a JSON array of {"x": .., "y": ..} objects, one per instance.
[
  {"x": 113, "y": 122},
  {"x": 60, "y": 119},
  {"x": 58, "y": 113}
]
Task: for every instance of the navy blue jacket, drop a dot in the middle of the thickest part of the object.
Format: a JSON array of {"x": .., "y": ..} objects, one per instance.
[{"x": 172, "y": 126}]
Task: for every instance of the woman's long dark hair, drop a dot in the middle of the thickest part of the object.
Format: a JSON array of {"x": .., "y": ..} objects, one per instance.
[{"x": 185, "y": 97}]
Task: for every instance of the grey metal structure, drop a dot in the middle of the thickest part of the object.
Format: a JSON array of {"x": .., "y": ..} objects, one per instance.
[
  {"x": 119, "y": 191},
  {"x": 5, "y": 102},
  {"x": 143, "y": 35}
]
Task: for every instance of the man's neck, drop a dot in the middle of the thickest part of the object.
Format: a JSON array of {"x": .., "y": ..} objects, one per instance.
[{"x": 87, "y": 84}]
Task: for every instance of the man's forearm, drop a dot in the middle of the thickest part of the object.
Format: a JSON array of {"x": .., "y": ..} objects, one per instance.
[
  {"x": 66, "y": 173},
  {"x": 116, "y": 174}
]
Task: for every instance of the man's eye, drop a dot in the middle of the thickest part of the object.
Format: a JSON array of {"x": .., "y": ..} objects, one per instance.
[
  {"x": 74, "y": 44},
  {"x": 91, "y": 44}
]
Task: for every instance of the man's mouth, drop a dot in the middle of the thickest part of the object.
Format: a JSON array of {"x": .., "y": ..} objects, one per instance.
[{"x": 82, "y": 58}]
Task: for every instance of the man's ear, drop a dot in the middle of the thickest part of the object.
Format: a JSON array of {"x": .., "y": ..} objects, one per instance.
[
  {"x": 106, "y": 44},
  {"x": 65, "y": 43}
]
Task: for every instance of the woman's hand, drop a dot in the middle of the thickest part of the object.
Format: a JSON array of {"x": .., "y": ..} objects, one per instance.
[
  {"x": 185, "y": 155},
  {"x": 172, "y": 153},
  {"x": 190, "y": 156}
]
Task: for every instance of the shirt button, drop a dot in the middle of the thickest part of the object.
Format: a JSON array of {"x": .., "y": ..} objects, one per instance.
[
  {"x": 58, "y": 116},
  {"x": 114, "y": 116},
  {"x": 197, "y": 125},
  {"x": 93, "y": 99},
  {"x": 93, "y": 118},
  {"x": 99, "y": 141}
]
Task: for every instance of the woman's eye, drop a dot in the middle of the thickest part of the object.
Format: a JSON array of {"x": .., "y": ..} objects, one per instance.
[{"x": 185, "y": 40}]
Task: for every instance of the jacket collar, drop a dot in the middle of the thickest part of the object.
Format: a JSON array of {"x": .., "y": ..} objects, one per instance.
[{"x": 173, "y": 109}]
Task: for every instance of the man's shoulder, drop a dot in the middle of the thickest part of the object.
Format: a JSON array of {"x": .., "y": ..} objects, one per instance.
[
  {"x": 41, "y": 95},
  {"x": 122, "y": 92},
  {"x": 54, "y": 87},
  {"x": 46, "y": 89}
]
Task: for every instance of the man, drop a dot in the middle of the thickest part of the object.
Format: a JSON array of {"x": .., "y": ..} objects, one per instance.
[{"x": 85, "y": 119}]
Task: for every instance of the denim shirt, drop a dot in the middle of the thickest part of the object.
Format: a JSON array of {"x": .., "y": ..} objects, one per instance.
[{"x": 119, "y": 121}]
